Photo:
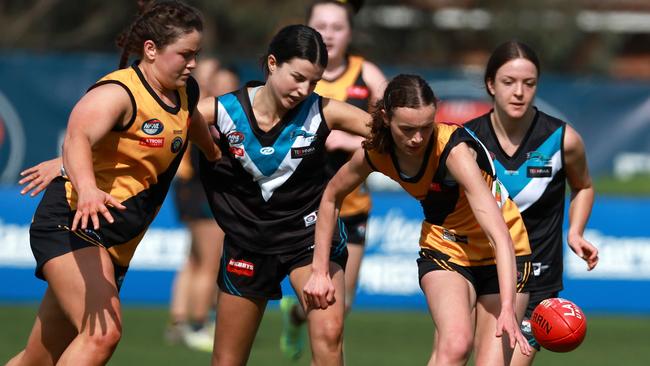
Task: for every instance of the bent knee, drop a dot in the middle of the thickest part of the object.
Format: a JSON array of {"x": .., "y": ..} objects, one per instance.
[
  {"x": 103, "y": 339},
  {"x": 329, "y": 332},
  {"x": 454, "y": 347}
]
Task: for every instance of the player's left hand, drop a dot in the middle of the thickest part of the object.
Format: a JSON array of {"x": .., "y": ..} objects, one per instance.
[
  {"x": 583, "y": 249},
  {"x": 39, "y": 176},
  {"x": 319, "y": 291},
  {"x": 507, "y": 323}
]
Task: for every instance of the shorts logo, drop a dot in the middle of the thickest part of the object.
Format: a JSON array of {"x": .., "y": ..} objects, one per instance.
[
  {"x": 152, "y": 127},
  {"x": 236, "y": 151},
  {"x": 539, "y": 172},
  {"x": 310, "y": 219},
  {"x": 235, "y": 138},
  {"x": 152, "y": 141},
  {"x": 358, "y": 92},
  {"x": 537, "y": 268},
  {"x": 177, "y": 144},
  {"x": 301, "y": 152},
  {"x": 241, "y": 267},
  {"x": 267, "y": 150}
]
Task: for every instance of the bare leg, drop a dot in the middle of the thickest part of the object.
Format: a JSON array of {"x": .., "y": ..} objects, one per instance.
[
  {"x": 79, "y": 322},
  {"x": 325, "y": 326},
  {"x": 491, "y": 350},
  {"x": 355, "y": 255},
  {"x": 46, "y": 344},
  {"x": 451, "y": 299},
  {"x": 208, "y": 240},
  {"x": 238, "y": 319}
]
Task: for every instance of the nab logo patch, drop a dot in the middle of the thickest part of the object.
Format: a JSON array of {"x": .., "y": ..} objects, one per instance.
[
  {"x": 152, "y": 141},
  {"x": 235, "y": 138},
  {"x": 177, "y": 144},
  {"x": 152, "y": 127},
  {"x": 240, "y": 267}
]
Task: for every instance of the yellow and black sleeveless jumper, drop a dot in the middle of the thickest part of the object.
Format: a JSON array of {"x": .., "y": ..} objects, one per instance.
[
  {"x": 449, "y": 225},
  {"x": 135, "y": 164},
  {"x": 349, "y": 88}
]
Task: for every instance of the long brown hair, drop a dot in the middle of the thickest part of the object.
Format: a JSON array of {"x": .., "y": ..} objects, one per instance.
[
  {"x": 160, "y": 21},
  {"x": 410, "y": 91}
]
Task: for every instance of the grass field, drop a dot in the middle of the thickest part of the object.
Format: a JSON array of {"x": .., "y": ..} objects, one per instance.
[{"x": 372, "y": 338}]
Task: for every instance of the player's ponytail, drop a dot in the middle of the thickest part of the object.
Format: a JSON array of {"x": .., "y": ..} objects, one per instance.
[{"x": 159, "y": 21}]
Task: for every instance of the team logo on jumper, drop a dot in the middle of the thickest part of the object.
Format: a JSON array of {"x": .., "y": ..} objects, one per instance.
[
  {"x": 308, "y": 136},
  {"x": 539, "y": 172},
  {"x": 448, "y": 235},
  {"x": 12, "y": 142},
  {"x": 152, "y": 127},
  {"x": 310, "y": 219},
  {"x": 177, "y": 143},
  {"x": 537, "y": 157},
  {"x": 236, "y": 151},
  {"x": 358, "y": 92},
  {"x": 241, "y": 267},
  {"x": 152, "y": 141},
  {"x": 267, "y": 150},
  {"x": 301, "y": 152},
  {"x": 235, "y": 138}
]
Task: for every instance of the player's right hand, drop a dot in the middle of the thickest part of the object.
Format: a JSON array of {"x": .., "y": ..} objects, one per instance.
[
  {"x": 319, "y": 291},
  {"x": 91, "y": 202}
]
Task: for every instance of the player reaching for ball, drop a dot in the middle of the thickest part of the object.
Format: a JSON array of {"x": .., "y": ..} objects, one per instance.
[
  {"x": 474, "y": 260},
  {"x": 535, "y": 154}
]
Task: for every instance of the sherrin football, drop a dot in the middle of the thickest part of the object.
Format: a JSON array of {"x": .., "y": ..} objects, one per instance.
[{"x": 558, "y": 325}]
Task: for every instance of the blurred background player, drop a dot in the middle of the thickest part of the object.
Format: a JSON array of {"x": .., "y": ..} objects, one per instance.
[
  {"x": 91, "y": 219},
  {"x": 194, "y": 288},
  {"x": 352, "y": 79},
  {"x": 535, "y": 155},
  {"x": 472, "y": 247}
]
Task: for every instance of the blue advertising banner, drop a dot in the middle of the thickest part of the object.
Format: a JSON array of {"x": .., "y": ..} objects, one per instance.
[{"x": 388, "y": 279}]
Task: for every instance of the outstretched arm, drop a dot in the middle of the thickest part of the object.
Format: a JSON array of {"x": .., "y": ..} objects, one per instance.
[
  {"x": 582, "y": 197},
  {"x": 462, "y": 165},
  {"x": 319, "y": 290}
]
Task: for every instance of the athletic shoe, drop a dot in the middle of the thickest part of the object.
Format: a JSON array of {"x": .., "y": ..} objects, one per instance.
[{"x": 292, "y": 339}]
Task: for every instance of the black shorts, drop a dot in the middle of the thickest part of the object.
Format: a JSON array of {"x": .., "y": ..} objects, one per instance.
[
  {"x": 191, "y": 201},
  {"x": 49, "y": 234},
  {"x": 484, "y": 279},
  {"x": 249, "y": 274},
  {"x": 355, "y": 226},
  {"x": 535, "y": 298}
]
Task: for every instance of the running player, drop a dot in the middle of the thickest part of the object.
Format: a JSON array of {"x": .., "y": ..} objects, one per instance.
[
  {"x": 354, "y": 80},
  {"x": 123, "y": 143},
  {"x": 470, "y": 270},
  {"x": 265, "y": 191},
  {"x": 534, "y": 155}
]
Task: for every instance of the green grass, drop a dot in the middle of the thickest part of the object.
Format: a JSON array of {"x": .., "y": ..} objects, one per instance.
[
  {"x": 638, "y": 185},
  {"x": 372, "y": 338}
]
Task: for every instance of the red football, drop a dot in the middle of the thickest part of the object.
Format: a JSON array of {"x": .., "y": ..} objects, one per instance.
[{"x": 558, "y": 325}]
